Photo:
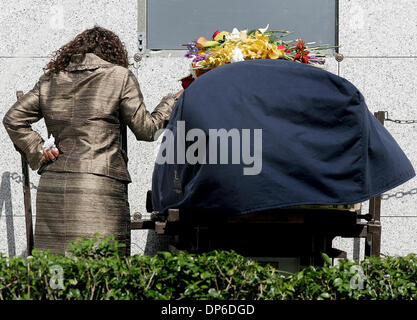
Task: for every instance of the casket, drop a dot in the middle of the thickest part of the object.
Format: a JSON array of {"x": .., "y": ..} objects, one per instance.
[{"x": 306, "y": 138}]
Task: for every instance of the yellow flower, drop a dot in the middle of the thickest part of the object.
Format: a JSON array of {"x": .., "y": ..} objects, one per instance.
[
  {"x": 256, "y": 46},
  {"x": 220, "y": 55},
  {"x": 274, "y": 52},
  {"x": 220, "y": 36}
]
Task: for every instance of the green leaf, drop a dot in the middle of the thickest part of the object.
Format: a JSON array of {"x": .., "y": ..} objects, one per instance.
[
  {"x": 326, "y": 258},
  {"x": 325, "y": 295}
]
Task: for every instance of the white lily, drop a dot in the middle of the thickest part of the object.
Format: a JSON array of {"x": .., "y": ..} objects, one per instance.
[
  {"x": 237, "y": 55},
  {"x": 234, "y": 36},
  {"x": 262, "y": 30},
  {"x": 243, "y": 34}
]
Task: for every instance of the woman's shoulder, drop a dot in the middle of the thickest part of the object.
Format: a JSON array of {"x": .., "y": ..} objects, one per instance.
[
  {"x": 119, "y": 69},
  {"x": 111, "y": 68},
  {"x": 115, "y": 71}
]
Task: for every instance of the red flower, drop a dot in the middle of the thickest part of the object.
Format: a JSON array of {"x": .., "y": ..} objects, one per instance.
[
  {"x": 186, "y": 82},
  {"x": 302, "y": 53},
  {"x": 302, "y": 56},
  {"x": 284, "y": 47},
  {"x": 215, "y": 34},
  {"x": 301, "y": 45}
]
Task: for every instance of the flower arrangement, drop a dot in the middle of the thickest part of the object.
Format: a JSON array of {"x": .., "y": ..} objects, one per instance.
[{"x": 225, "y": 47}]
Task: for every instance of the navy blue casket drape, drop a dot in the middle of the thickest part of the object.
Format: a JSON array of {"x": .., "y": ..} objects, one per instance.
[{"x": 320, "y": 143}]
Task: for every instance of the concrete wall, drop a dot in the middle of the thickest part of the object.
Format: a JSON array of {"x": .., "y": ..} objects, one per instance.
[{"x": 378, "y": 39}]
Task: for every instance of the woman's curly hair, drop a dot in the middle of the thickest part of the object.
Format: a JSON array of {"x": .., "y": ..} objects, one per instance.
[{"x": 102, "y": 42}]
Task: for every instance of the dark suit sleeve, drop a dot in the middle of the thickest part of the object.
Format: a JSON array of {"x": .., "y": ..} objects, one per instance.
[
  {"x": 17, "y": 122},
  {"x": 143, "y": 124}
]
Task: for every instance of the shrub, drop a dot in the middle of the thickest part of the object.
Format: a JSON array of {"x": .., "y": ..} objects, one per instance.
[{"x": 96, "y": 271}]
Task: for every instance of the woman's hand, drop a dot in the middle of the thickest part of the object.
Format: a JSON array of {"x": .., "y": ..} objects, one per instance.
[{"x": 50, "y": 154}]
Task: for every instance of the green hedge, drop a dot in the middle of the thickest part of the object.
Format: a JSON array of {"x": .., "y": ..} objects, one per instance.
[{"x": 95, "y": 271}]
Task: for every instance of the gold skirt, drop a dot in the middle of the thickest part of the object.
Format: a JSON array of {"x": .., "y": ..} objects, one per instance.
[{"x": 71, "y": 205}]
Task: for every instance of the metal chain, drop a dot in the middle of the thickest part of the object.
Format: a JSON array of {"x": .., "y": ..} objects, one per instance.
[
  {"x": 399, "y": 121},
  {"x": 18, "y": 178},
  {"x": 399, "y": 194}
]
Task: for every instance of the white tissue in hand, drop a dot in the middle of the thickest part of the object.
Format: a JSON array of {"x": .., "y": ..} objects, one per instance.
[{"x": 49, "y": 143}]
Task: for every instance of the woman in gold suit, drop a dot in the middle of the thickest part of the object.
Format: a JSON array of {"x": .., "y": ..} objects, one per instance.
[{"x": 85, "y": 95}]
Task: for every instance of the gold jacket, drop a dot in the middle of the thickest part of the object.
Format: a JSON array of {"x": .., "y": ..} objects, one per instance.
[{"x": 83, "y": 108}]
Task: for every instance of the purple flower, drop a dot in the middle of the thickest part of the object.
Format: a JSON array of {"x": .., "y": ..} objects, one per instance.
[
  {"x": 201, "y": 57},
  {"x": 192, "y": 50},
  {"x": 188, "y": 54},
  {"x": 317, "y": 60},
  {"x": 192, "y": 47}
]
